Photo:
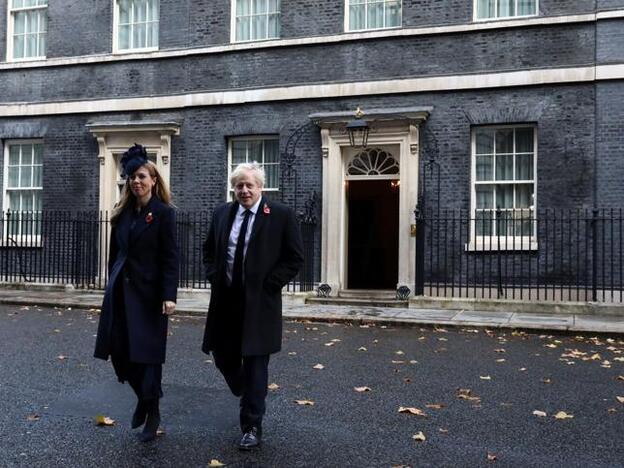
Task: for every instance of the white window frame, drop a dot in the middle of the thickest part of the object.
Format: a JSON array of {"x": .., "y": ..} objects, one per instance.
[
  {"x": 234, "y": 39},
  {"x": 504, "y": 242},
  {"x": 229, "y": 190},
  {"x": 498, "y": 18},
  {"x": 11, "y": 29},
  {"x": 22, "y": 240},
  {"x": 347, "y": 22},
  {"x": 116, "y": 49}
]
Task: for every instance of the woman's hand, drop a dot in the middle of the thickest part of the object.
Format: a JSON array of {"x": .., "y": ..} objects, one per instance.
[{"x": 168, "y": 307}]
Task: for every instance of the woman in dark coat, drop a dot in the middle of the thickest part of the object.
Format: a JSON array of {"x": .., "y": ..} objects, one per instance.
[{"x": 142, "y": 287}]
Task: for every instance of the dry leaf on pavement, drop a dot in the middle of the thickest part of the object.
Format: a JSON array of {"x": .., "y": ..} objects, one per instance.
[
  {"x": 305, "y": 402},
  {"x": 485, "y": 377},
  {"x": 466, "y": 394},
  {"x": 362, "y": 389},
  {"x": 362, "y": 348},
  {"x": 412, "y": 410},
  {"x": 491, "y": 457},
  {"x": 214, "y": 463},
  {"x": 435, "y": 405},
  {"x": 33, "y": 417},
  {"x": 539, "y": 413},
  {"x": 419, "y": 436},
  {"x": 399, "y": 352},
  {"x": 563, "y": 415},
  {"x": 273, "y": 386},
  {"x": 101, "y": 420},
  {"x": 319, "y": 366},
  {"x": 620, "y": 399}
]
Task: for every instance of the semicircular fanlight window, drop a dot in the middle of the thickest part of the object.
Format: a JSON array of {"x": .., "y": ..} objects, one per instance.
[{"x": 372, "y": 162}]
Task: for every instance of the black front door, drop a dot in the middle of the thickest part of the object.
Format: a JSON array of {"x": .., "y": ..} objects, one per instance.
[{"x": 373, "y": 234}]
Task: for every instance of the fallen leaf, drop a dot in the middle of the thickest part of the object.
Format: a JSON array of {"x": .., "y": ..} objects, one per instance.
[
  {"x": 292, "y": 353},
  {"x": 305, "y": 402},
  {"x": 550, "y": 345},
  {"x": 33, "y": 417},
  {"x": 620, "y": 377},
  {"x": 485, "y": 377},
  {"x": 539, "y": 413},
  {"x": 362, "y": 389},
  {"x": 398, "y": 362},
  {"x": 101, "y": 420},
  {"x": 411, "y": 410},
  {"x": 331, "y": 343},
  {"x": 160, "y": 431},
  {"x": 419, "y": 436},
  {"x": 319, "y": 366},
  {"x": 466, "y": 394},
  {"x": 563, "y": 415},
  {"x": 619, "y": 359},
  {"x": 442, "y": 339},
  {"x": 435, "y": 405},
  {"x": 336, "y": 340},
  {"x": 443, "y": 430},
  {"x": 499, "y": 350},
  {"x": 273, "y": 386},
  {"x": 522, "y": 369},
  {"x": 546, "y": 381},
  {"x": 61, "y": 357},
  {"x": 596, "y": 357},
  {"x": 413, "y": 361},
  {"x": 500, "y": 360},
  {"x": 611, "y": 410},
  {"x": 214, "y": 463},
  {"x": 362, "y": 348},
  {"x": 620, "y": 399},
  {"x": 491, "y": 457},
  {"x": 400, "y": 353}
]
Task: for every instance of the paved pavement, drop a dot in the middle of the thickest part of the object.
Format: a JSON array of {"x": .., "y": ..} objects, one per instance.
[
  {"x": 196, "y": 303},
  {"x": 478, "y": 390}
]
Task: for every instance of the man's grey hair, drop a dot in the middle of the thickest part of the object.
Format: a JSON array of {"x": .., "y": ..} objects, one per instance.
[{"x": 253, "y": 167}]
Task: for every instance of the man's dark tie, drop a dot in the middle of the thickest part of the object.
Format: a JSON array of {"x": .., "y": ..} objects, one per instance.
[{"x": 237, "y": 270}]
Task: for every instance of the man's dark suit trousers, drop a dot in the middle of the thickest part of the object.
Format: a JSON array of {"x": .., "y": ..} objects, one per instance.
[{"x": 247, "y": 376}]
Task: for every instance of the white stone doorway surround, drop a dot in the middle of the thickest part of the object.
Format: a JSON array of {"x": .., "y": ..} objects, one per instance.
[{"x": 398, "y": 127}]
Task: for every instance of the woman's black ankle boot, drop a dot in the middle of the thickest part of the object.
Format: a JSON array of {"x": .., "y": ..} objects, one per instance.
[
  {"x": 139, "y": 415},
  {"x": 153, "y": 421}
]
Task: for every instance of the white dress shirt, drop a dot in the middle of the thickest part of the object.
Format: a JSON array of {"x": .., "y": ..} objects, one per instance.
[{"x": 233, "y": 239}]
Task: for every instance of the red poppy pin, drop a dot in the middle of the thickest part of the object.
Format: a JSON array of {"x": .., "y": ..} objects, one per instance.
[
  {"x": 266, "y": 210},
  {"x": 149, "y": 218}
]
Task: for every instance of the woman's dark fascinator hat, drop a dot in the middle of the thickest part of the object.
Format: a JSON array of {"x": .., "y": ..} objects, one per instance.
[{"x": 135, "y": 157}]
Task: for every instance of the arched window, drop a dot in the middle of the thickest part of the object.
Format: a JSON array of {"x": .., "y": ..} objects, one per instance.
[{"x": 373, "y": 162}]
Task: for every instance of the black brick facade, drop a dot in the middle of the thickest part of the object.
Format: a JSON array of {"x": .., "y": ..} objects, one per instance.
[{"x": 580, "y": 126}]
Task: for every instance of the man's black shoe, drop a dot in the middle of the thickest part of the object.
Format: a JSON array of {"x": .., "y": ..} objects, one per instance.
[{"x": 250, "y": 440}]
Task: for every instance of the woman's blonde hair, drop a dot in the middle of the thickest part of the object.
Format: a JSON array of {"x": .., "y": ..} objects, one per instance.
[{"x": 160, "y": 189}]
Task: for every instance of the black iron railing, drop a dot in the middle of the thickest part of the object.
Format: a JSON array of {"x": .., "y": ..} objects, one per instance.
[
  {"x": 551, "y": 255},
  {"x": 62, "y": 247}
]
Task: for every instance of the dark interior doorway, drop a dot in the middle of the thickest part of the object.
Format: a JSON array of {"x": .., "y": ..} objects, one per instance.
[{"x": 373, "y": 234}]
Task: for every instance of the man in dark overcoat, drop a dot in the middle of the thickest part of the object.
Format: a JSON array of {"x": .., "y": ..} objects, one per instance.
[{"x": 253, "y": 249}]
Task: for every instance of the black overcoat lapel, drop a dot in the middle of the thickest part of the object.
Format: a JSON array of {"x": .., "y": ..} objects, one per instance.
[
  {"x": 123, "y": 229},
  {"x": 141, "y": 222},
  {"x": 227, "y": 226},
  {"x": 259, "y": 221}
]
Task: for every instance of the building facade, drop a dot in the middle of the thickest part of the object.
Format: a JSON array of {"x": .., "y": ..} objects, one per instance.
[{"x": 519, "y": 104}]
